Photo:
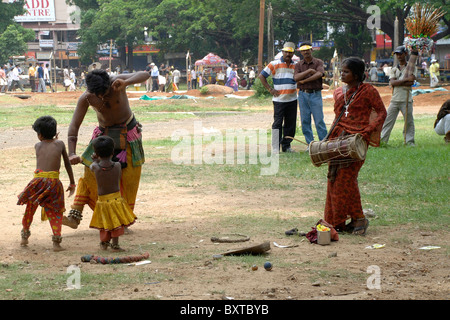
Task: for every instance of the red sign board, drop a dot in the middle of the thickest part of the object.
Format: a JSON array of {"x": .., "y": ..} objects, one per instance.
[
  {"x": 384, "y": 41},
  {"x": 31, "y": 54},
  {"x": 144, "y": 49}
]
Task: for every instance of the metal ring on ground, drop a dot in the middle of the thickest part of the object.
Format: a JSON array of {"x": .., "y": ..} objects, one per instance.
[{"x": 226, "y": 239}]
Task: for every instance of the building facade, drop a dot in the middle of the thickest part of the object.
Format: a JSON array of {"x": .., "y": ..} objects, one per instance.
[{"x": 55, "y": 25}]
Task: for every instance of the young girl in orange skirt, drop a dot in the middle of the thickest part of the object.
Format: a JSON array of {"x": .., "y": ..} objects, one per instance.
[
  {"x": 46, "y": 190},
  {"x": 111, "y": 214}
]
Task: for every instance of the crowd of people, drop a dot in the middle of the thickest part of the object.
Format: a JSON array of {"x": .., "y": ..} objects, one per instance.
[
  {"x": 167, "y": 79},
  {"x": 38, "y": 78},
  {"x": 428, "y": 68}
]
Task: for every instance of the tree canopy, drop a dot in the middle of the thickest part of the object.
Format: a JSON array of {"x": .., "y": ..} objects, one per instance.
[
  {"x": 14, "y": 41},
  {"x": 13, "y": 37},
  {"x": 230, "y": 28}
]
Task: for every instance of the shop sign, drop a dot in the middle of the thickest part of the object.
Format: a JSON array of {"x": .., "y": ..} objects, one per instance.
[
  {"x": 37, "y": 11},
  {"x": 46, "y": 43}
]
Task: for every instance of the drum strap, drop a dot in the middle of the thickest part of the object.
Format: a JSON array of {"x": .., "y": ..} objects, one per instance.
[
  {"x": 340, "y": 115},
  {"x": 335, "y": 123}
]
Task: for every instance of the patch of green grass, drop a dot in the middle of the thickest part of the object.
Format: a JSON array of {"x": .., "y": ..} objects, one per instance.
[
  {"x": 401, "y": 184},
  {"x": 19, "y": 116},
  {"x": 16, "y": 283},
  {"x": 16, "y": 116},
  {"x": 409, "y": 184}
]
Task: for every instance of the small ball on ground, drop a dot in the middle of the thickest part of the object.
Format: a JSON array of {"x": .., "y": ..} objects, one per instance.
[{"x": 268, "y": 266}]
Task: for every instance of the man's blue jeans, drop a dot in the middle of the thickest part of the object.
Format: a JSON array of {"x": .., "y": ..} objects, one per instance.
[{"x": 311, "y": 104}]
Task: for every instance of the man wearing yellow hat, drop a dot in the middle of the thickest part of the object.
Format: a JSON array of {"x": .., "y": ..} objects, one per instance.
[
  {"x": 284, "y": 98},
  {"x": 308, "y": 75}
]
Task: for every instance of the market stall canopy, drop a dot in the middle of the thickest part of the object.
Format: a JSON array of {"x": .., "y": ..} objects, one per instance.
[
  {"x": 211, "y": 60},
  {"x": 280, "y": 54}
]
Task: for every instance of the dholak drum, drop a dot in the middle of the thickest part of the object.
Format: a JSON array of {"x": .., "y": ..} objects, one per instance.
[{"x": 346, "y": 149}]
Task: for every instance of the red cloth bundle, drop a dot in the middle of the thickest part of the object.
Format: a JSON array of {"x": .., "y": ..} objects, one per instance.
[{"x": 312, "y": 235}]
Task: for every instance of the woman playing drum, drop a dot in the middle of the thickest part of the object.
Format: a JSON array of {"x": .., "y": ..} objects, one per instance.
[{"x": 363, "y": 112}]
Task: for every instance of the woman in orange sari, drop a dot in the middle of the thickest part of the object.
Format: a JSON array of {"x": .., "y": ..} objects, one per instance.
[{"x": 363, "y": 112}]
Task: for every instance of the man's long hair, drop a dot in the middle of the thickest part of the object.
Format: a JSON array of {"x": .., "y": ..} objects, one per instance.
[{"x": 98, "y": 81}]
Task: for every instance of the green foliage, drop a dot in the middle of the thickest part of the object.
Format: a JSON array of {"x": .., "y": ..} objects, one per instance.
[
  {"x": 204, "y": 90},
  {"x": 325, "y": 53},
  {"x": 261, "y": 91},
  {"x": 14, "y": 41},
  {"x": 352, "y": 39},
  {"x": 8, "y": 11},
  {"x": 231, "y": 28}
]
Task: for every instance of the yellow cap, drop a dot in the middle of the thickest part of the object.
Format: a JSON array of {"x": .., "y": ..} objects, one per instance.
[
  {"x": 305, "y": 47},
  {"x": 289, "y": 47}
]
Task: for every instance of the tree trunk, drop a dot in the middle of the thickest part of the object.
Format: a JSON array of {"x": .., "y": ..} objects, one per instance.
[{"x": 130, "y": 58}]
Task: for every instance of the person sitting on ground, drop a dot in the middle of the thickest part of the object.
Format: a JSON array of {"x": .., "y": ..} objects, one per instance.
[{"x": 442, "y": 123}]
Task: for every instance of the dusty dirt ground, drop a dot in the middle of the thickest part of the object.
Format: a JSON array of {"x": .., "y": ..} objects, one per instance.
[{"x": 338, "y": 271}]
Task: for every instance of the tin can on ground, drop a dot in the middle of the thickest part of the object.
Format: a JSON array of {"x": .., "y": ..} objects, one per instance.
[{"x": 323, "y": 237}]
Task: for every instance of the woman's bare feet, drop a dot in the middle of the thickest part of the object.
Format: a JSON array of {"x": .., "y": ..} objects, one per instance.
[{"x": 360, "y": 226}]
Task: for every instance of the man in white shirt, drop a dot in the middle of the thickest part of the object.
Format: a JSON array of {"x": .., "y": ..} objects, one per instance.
[
  {"x": 47, "y": 77},
  {"x": 3, "y": 80},
  {"x": 176, "y": 77},
  {"x": 194, "y": 79},
  {"x": 66, "y": 78},
  {"x": 229, "y": 70},
  {"x": 154, "y": 74},
  {"x": 251, "y": 78},
  {"x": 14, "y": 76},
  {"x": 73, "y": 80}
]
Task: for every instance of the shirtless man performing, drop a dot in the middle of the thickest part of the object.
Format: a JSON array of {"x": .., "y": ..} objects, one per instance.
[{"x": 108, "y": 98}]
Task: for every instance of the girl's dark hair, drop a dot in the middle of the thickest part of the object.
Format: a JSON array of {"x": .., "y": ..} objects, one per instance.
[
  {"x": 98, "y": 81},
  {"x": 356, "y": 66},
  {"x": 103, "y": 146},
  {"x": 46, "y": 126}
]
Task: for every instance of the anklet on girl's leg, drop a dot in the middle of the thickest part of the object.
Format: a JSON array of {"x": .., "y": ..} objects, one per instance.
[
  {"x": 25, "y": 234},
  {"x": 56, "y": 243}
]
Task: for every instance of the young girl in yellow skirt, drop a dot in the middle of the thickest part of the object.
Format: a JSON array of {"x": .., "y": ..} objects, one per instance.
[{"x": 111, "y": 214}]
